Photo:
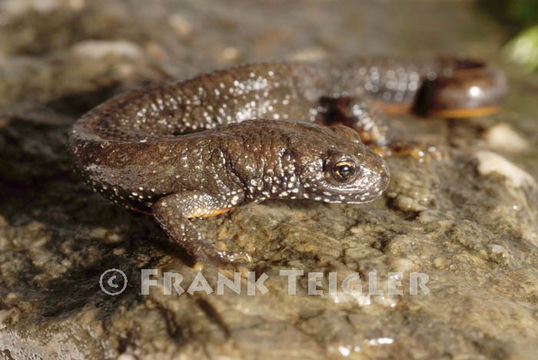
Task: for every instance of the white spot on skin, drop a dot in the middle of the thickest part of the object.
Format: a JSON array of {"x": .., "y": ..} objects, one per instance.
[{"x": 256, "y": 98}]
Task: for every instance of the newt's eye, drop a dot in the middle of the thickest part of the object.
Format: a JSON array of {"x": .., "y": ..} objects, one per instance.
[{"x": 343, "y": 170}]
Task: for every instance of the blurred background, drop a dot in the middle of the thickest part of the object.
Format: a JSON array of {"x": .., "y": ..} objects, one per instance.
[
  {"x": 163, "y": 38},
  {"x": 473, "y": 232}
]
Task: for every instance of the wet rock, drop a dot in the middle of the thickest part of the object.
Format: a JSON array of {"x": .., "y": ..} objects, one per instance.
[
  {"x": 180, "y": 24},
  {"x": 492, "y": 163},
  {"x": 502, "y": 137},
  {"x": 95, "y": 49},
  {"x": 465, "y": 227}
]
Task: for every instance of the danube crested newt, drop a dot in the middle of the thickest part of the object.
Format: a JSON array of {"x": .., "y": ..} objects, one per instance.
[{"x": 200, "y": 147}]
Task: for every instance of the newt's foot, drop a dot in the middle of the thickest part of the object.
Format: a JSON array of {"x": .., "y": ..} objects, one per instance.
[
  {"x": 420, "y": 152},
  {"x": 173, "y": 214},
  {"x": 224, "y": 258}
]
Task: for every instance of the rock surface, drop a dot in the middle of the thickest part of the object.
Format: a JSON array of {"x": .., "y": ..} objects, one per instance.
[{"x": 473, "y": 233}]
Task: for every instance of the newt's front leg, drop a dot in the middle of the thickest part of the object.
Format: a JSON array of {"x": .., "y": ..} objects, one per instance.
[
  {"x": 373, "y": 127},
  {"x": 173, "y": 212},
  {"x": 362, "y": 115}
]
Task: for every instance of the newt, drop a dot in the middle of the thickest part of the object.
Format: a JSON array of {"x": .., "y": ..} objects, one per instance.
[{"x": 197, "y": 148}]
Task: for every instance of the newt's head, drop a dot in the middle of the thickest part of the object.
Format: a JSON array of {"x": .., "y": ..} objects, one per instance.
[{"x": 336, "y": 167}]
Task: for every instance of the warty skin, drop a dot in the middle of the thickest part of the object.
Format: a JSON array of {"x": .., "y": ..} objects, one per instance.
[{"x": 200, "y": 147}]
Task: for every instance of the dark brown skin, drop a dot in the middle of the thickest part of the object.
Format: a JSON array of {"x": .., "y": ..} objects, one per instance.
[{"x": 200, "y": 147}]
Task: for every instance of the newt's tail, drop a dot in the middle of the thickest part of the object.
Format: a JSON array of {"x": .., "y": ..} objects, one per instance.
[{"x": 462, "y": 88}]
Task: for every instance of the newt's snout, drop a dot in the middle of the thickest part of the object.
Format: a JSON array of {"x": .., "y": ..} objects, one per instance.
[{"x": 350, "y": 173}]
